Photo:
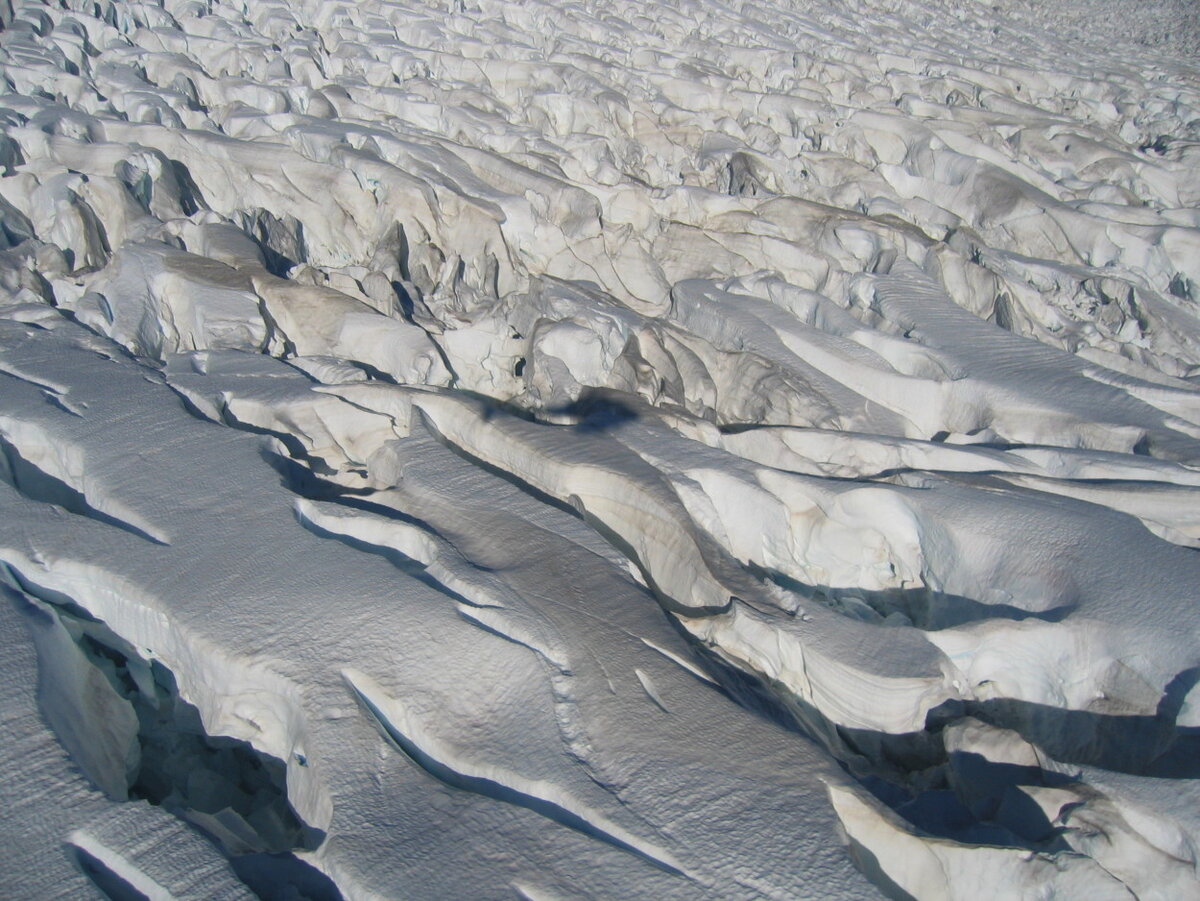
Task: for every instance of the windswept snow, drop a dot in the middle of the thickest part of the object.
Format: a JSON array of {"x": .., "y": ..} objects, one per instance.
[{"x": 600, "y": 450}]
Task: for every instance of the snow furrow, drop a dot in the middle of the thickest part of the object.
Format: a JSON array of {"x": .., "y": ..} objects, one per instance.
[{"x": 761, "y": 437}]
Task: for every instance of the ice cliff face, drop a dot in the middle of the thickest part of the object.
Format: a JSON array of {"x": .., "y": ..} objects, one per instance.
[{"x": 599, "y": 450}]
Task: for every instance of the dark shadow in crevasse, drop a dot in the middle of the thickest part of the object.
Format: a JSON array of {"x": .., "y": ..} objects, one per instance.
[
  {"x": 281, "y": 240},
  {"x": 230, "y": 792},
  {"x": 191, "y": 199},
  {"x": 924, "y": 608},
  {"x": 1146, "y": 745},
  {"x": 111, "y": 885},
  {"x": 39, "y": 485}
]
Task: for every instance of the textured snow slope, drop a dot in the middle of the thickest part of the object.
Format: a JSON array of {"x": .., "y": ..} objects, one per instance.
[{"x": 599, "y": 450}]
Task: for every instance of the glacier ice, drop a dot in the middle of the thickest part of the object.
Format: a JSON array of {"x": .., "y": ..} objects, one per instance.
[{"x": 478, "y": 448}]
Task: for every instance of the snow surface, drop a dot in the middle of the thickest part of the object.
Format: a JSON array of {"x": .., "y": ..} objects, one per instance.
[{"x": 498, "y": 449}]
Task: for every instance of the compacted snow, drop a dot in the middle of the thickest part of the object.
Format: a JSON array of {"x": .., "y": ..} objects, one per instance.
[{"x": 537, "y": 450}]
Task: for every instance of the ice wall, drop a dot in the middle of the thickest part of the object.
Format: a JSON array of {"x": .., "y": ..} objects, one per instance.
[{"x": 602, "y": 450}]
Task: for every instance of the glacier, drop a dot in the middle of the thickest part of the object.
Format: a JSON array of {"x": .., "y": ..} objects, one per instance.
[{"x": 475, "y": 449}]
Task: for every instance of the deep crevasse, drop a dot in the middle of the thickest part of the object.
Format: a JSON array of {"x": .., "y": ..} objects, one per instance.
[{"x": 604, "y": 450}]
